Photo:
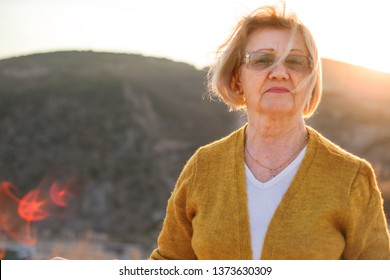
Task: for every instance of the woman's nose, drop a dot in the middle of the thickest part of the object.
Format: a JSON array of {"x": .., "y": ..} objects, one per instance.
[{"x": 279, "y": 71}]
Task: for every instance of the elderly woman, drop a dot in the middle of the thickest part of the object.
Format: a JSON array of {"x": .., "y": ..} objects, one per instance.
[{"x": 275, "y": 188}]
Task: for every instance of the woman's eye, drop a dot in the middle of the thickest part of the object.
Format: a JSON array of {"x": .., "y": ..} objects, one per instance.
[
  {"x": 264, "y": 60},
  {"x": 294, "y": 61}
]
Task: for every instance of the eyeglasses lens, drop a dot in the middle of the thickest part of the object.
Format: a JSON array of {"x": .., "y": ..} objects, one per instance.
[{"x": 261, "y": 61}]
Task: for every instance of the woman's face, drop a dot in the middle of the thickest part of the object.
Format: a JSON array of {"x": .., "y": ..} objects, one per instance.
[{"x": 270, "y": 90}]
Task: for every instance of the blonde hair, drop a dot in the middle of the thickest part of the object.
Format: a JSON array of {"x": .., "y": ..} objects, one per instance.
[{"x": 223, "y": 75}]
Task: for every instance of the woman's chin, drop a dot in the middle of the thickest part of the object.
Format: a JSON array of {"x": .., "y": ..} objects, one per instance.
[{"x": 277, "y": 109}]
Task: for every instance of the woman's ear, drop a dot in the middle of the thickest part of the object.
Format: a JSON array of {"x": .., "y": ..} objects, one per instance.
[{"x": 236, "y": 83}]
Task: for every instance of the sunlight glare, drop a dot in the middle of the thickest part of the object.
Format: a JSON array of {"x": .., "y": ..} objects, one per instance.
[{"x": 188, "y": 31}]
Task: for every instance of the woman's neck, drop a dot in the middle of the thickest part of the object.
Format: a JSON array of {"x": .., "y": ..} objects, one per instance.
[
  {"x": 271, "y": 144},
  {"x": 275, "y": 132}
]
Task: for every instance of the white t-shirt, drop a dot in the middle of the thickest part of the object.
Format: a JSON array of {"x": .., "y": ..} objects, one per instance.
[{"x": 264, "y": 198}]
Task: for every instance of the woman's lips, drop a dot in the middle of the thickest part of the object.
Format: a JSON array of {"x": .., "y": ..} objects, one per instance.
[{"x": 278, "y": 90}]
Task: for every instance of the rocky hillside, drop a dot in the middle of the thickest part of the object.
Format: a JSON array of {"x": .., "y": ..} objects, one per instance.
[
  {"x": 121, "y": 127},
  {"x": 355, "y": 113}
]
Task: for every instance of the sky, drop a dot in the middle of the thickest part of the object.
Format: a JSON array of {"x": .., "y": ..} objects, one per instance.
[{"x": 352, "y": 31}]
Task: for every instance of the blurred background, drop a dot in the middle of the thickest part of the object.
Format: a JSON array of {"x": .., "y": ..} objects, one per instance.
[{"x": 102, "y": 103}]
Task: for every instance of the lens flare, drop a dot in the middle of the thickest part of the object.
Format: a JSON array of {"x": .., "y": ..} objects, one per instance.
[
  {"x": 59, "y": 194},
  {"x": 32, "y": 207},
  {"x": 18, "y": 213},
  {"x": 11, "y": 223},
  {"x": 8, "y": 190}
]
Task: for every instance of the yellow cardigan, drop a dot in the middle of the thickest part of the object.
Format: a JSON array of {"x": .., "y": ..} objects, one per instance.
[{"x": 332, "y": 209}]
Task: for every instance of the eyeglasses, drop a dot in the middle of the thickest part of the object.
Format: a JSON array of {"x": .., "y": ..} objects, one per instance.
[{"x": 260, "y": 61}]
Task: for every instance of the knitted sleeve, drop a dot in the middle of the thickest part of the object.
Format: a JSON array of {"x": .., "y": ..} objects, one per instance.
[
  {"x": 174, "y": 241},
  {"x": 367, "y": 235}
]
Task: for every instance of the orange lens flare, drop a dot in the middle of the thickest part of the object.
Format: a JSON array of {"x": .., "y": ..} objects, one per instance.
[
  {"x": 59, "y": 194},
  {"x": 11, "y": 223},
  {"x": 18, "y": 214},
  {"x": 8, "y": 190},
  {"x": 32, "y": 207}
]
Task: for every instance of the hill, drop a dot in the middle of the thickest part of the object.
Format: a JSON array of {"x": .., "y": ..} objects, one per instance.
[
  {"x": 121, "y": 126},
  {"x": 355, "y": 113}
]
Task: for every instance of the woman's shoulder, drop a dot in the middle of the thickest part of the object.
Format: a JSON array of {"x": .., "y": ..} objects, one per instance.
[
  {"x": 340, "y": 169},
  {"x": 334, "y": 155}
]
